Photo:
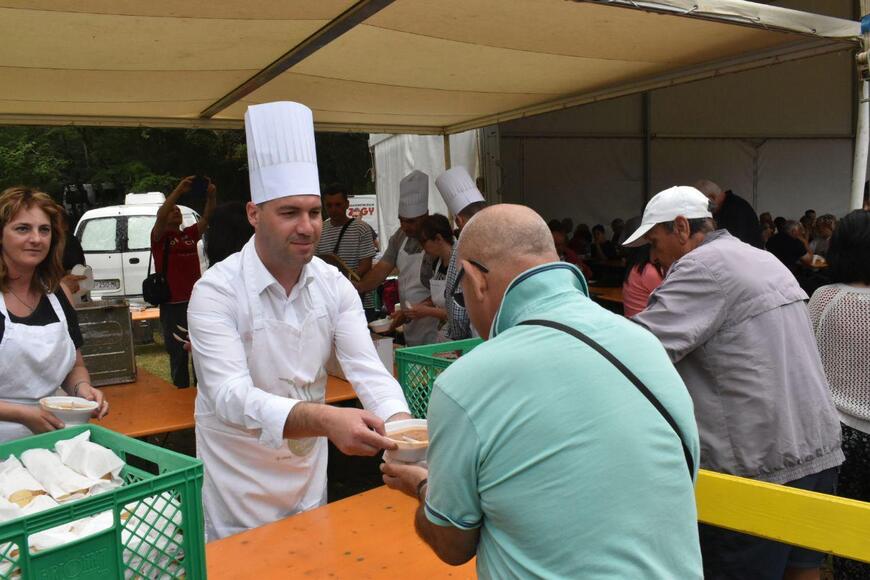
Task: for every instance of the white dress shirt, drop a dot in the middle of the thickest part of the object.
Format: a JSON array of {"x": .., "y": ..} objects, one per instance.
[{"x": 220, "y": 323}]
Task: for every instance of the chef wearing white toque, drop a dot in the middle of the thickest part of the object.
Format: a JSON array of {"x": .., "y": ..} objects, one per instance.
[
  {"x": 405, "y": 252},
  {"x": 463, "y": 199},
  {"x": 263, "y": 323}
]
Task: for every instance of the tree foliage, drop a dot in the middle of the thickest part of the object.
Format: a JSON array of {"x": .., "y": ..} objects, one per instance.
[{"x": 149, "y": 159}]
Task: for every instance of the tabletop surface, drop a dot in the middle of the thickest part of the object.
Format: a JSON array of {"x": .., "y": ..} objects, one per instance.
[
  {"x": 147, "y": 314},
  {"x": 151, "y": 405},
  {"x": 606, "y": 293},
  {"x": 368, "y": 535}
]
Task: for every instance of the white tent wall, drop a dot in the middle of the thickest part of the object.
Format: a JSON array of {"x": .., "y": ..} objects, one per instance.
[
  {"x": 395, "y": 156},
  {"x": 780, "y": 136}
]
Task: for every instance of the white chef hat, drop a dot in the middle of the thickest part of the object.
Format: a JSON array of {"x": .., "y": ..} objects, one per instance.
[
  {"x": 414, "y": 195},
  {"x": 282, "y": 160},
  {"x": 458, "y": 189}
]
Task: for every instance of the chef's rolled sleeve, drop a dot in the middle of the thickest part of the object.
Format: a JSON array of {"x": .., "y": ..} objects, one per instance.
[
  {"x": 225, "y": 382},
  {"x": 376, "y": 387}
]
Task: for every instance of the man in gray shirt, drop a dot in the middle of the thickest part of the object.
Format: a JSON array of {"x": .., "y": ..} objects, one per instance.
[{"x": 733, "y": 321}]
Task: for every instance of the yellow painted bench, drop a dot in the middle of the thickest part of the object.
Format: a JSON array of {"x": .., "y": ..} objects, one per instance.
[{"x": 802, "y": 518}]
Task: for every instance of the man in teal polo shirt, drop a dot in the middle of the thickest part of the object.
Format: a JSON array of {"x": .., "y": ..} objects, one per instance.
[{"x": 545, "y": 459}]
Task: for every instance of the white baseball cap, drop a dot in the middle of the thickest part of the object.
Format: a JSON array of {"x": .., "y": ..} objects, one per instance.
[{"x": 665, "y": 206}]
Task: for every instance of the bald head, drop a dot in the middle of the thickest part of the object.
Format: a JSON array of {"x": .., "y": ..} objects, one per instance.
[
  {"x": 495, "y": 246},
  {"x": 507, "y": 234},
  {"x": 713, "y": 192}
]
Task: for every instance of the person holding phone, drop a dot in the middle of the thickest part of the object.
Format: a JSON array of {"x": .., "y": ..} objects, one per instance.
[{"x": 179, "y": 246}]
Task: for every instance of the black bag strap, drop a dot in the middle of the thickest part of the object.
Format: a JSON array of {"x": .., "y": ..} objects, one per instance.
[
  {"x": 341, "y": 235},
  {"x": 165, "y": 257},
  {"x": 628, "y": 374}
]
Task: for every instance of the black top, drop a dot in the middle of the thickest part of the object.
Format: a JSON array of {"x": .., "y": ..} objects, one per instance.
[
  {"x": 44, "y": 315},
  {"x": 72, "y": 253},
  {"x": 738, "y": 217},
  {"x": 788, "y": 249}
]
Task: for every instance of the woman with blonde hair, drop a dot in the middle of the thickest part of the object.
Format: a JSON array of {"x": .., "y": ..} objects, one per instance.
[{"x": 40, "y": 338}]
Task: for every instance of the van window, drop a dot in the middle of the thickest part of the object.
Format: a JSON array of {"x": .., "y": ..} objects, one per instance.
[
  {"x": 139, "y": 232},
  {"x": 100, "y": 235}
]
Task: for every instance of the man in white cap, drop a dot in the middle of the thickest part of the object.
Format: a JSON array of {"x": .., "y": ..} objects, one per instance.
[
  {"x": 263, "y": 323},
  {"x": 464, "y": 200},
  {"x": 405, "y": 252},
  {"x": 733, "y": 321}
]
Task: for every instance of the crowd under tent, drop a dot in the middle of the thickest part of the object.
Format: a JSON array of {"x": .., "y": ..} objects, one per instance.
[{"x": 447, "y": 67}]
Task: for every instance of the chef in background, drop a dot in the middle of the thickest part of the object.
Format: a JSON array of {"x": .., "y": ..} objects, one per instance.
[
  {"x": 262, "y": 325},
  {"x": 405, "y": 252}
]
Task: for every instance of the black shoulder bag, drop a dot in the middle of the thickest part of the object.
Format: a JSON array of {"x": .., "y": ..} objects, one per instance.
[
  {"x": 628, "y": 374},
  {"x": 155, "y": 288}
]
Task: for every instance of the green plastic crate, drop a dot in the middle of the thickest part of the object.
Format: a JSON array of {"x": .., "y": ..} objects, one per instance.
[
  {"x": 164, "y": 539},
  {"x": 419, "y": 367}
]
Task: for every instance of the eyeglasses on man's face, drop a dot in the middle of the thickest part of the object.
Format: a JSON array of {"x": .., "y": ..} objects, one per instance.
[{"x": 456, "y": 291}]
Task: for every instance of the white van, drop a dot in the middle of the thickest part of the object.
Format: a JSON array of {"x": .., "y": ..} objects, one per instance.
[{"x": 117, "y": 241}]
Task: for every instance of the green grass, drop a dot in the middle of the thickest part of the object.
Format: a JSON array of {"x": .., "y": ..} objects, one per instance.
[{"x": 152, "y": 357}]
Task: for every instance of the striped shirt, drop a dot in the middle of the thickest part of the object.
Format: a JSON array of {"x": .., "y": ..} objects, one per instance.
[{"x": 356, "y": 245}]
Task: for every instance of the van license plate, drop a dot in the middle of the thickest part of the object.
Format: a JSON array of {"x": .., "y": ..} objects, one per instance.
[{"x": 107, "y": 284}]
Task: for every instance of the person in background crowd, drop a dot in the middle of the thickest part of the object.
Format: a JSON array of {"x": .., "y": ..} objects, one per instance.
[
  {"x": 73, "y": 255},
  {"x": 183, "y": 270},
  {"x": 734, "y": 322},
  {"x": 840, "y": 314},
  {"x": 811, "y": 214},
  {"x": 40, "y": 339},
  {"x": 263, "y": 324},
  {"x": 767, "y": 232},
  {"x": 555, "y": 225},
  {"x": 228, "y": 232},
  {"x": 825, "y": 225},
  {"x": 602, "y": 248},
  {"x": 464, "y": 199},
  {"x": 779, "y": 224},
  {"x": 790, "y": 247},
  {"x": 348, "y": 238},
  {"x": 617, "y": 226},
  {"x": 405, "y": 253},
  {"x": 538, "y": 472},
  {"x": 436, "y": 236},
  {"x": 566, "y": 254},
  {"x": 567, "y": 225},
  {"x": 766, "y": 218},
  {"x": 732, "y": 213},
  {"x": 642, "y": 275},
  {"x": 808, "y": 225},
  {"x": 581, "y": 241}
]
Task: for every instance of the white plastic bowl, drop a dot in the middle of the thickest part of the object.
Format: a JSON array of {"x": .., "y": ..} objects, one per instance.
[
  {"x": 78, "y": 416},
  {"x": 408, "y": 452},
  {"x": 381, "y": 326}
]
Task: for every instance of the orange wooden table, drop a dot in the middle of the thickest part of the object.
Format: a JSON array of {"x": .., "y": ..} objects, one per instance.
[
  {"x": 368, "y": 535},
  {"x": 151, "y": 405},
  {"x": 606, "y": 293},
  {"x": 147, "y": 314},
  {"x": 148, "y": 406}
]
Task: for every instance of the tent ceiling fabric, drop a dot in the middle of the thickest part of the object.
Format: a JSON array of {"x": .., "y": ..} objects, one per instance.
[{"x": 415, "y": 66}]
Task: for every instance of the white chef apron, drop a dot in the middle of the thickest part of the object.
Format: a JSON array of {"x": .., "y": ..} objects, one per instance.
[
  {"x": 247, "y": 484},
  {"x": 437, "y": 288},
  {"x": 411, "y": 290},
  {"x": 34, "y": 361}
]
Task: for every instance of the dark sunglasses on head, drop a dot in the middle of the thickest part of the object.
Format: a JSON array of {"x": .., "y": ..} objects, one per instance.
[{"x": 456, "y": 291}]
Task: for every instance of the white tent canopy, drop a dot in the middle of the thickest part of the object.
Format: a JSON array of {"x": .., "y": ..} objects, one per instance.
[{"x": 384, "y": 66}]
